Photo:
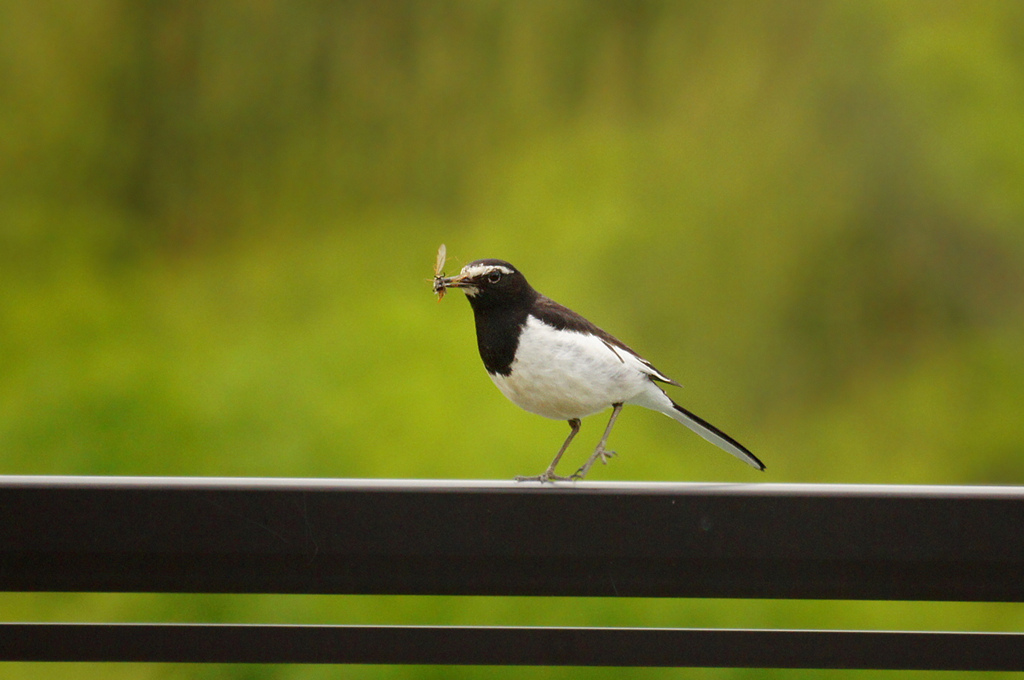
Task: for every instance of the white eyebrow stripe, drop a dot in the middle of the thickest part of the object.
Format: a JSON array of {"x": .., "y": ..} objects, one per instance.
[{"x": 473, "y": 271}]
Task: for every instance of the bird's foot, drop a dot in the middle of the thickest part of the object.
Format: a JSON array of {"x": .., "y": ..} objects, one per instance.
[
  {"x": 546, "y": 476},
  {"x": 601, "y": 454}
]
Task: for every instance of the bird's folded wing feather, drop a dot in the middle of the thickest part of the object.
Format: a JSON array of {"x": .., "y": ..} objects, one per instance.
[{"x": 563, "y": 318}]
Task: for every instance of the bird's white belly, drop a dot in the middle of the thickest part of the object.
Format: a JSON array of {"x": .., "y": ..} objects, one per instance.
[{"x": 565, "y": 375}]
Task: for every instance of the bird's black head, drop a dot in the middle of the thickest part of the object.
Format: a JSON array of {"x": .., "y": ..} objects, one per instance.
[{"x": 492, "y": 284}]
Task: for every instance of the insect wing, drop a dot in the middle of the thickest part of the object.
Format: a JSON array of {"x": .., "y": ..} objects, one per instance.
[
  {"x": 442, "y": 254},
  {"x": 439, "y": 288}
]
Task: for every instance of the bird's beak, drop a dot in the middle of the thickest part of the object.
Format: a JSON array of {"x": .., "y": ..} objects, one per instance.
[
  {"x": 457, "y": 281},
  {"x": 443, "y": 283}
]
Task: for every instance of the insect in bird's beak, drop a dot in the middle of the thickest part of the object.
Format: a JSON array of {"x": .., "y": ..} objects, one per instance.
[{"x": 440, "y": 282}]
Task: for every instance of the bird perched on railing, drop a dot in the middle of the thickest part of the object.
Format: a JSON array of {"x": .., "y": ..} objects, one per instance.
[{"x": 551, "y": 361}]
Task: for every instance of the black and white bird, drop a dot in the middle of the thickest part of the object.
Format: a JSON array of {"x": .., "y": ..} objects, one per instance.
[{"x": 551, "y": 361}]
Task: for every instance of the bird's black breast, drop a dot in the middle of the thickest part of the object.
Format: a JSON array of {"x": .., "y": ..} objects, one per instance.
[{"x": 497, "y": 337}]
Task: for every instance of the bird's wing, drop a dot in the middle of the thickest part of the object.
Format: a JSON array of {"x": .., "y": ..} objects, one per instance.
[{"x": 563, "y": 318}]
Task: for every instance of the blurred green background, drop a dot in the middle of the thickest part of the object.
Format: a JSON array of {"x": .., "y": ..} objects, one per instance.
[{"x": 217, "y": 222}]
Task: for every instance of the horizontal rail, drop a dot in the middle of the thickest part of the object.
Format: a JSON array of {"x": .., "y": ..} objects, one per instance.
[
  {"x": 497, "y": 538},
  {"x": 227, "y": 643}
]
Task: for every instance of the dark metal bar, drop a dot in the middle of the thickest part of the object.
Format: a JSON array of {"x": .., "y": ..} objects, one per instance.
[
  {"x": 220, "y": 643},
  {"x": 495, "y": 538}
]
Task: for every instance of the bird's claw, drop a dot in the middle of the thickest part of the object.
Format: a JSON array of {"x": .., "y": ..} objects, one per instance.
[
  {"x": 546, "y": 476},
  {"x": 601, "y": 454}
]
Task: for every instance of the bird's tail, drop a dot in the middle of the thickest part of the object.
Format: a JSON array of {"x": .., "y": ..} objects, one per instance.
[{"x": 712, "y": 434}]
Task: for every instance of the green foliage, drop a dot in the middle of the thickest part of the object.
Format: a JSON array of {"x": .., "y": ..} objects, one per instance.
[{"x": 217, "y": 222}]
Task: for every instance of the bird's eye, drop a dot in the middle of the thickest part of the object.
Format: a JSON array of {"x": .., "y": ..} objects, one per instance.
[{"x": 494, "y": 277}]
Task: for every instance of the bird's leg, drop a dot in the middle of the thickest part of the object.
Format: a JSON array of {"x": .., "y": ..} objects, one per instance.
[
  {"x": 549, "y": 474},
  {"x": 600, "y": 452}
]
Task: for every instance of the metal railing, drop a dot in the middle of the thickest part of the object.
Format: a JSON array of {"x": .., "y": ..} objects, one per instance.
[{"x": 207, "y": 535}]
